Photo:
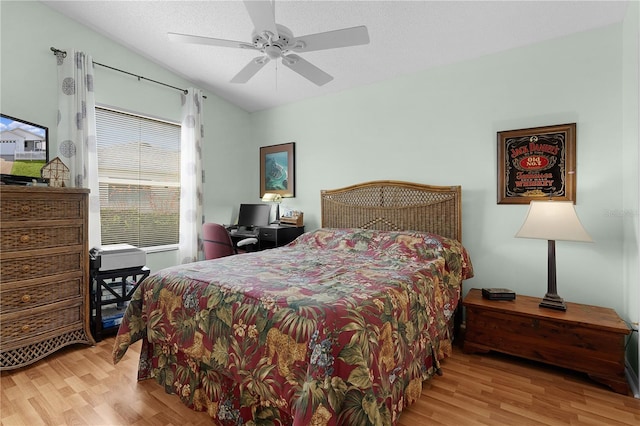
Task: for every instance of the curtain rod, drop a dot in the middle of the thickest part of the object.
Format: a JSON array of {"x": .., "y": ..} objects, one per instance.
[{"x": 139, "y": 77}]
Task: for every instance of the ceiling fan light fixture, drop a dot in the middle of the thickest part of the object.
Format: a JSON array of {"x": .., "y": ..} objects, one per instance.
[{"x": 273, "y": 51}]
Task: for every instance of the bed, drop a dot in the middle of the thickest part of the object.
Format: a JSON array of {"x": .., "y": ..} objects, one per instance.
[{"x": 340, "y": 327}]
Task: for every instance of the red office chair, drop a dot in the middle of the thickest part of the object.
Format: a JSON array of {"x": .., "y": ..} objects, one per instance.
[{"x": 217, "y": 242}]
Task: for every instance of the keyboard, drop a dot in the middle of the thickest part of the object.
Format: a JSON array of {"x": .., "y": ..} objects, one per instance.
[{"x": 244, "y": 232}]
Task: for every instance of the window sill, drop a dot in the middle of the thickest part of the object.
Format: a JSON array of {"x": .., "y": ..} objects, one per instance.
[{"x": 159, "y": 249}]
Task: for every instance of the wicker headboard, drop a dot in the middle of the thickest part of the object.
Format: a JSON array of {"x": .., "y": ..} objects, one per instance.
[{"x": 395, "y": 205}]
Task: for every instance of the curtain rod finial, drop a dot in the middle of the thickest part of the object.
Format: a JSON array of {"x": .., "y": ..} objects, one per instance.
[{"x": 58, "y": 52}]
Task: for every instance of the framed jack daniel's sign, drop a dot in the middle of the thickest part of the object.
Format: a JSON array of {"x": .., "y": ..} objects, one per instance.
[{"x": 537, "y": 163}]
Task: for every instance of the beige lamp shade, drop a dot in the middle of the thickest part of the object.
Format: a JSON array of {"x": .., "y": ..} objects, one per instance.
[
  {"x": 270, "y": 197},
  {"x": 553, "y": 220}
]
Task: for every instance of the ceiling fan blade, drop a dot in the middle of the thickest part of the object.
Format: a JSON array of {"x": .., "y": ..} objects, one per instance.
[
  {"x": 306, "y": 69},
  {"x": 192, "y": 39},
  {"x": 333, "y": 39},
  {"x": 262, "y": 15},
  {"x": 250, "y": 69}
]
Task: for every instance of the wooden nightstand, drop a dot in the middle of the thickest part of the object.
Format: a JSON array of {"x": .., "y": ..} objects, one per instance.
[{"x": 585, "y": 338}]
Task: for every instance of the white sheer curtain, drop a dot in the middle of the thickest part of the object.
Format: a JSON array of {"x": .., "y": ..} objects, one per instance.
[
  {"x": 77, "y": 146},
  {"x": 191, "y": 177}
]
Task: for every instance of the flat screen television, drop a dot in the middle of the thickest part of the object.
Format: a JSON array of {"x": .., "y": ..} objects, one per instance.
[
  {"x": 251, "y": 215},
  {"x": 24, "y": 149}
]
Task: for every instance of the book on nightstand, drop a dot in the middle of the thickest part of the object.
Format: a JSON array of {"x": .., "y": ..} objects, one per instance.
[{"x": 498, "y": 294}]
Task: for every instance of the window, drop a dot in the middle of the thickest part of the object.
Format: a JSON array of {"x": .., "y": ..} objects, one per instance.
[{"x": 139, "y": 178}]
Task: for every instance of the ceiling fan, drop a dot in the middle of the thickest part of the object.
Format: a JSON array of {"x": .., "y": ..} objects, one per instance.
[{"x": 276, "y": 41}]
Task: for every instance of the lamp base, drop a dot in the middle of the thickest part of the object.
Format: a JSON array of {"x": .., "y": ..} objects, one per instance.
[{"x": 553, "y": 301}]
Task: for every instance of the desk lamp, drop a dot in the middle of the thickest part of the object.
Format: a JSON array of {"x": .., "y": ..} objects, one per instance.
[
  {"x": 270, "y": 197},
  {"x": 553, "y": 220}
]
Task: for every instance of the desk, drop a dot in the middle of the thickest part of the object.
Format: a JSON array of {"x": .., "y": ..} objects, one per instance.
[
  {"x": 277, "y": 235},
  {"x": 272, "y": 236}
]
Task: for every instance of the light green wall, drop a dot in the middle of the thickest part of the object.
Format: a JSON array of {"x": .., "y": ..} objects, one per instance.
[
  {"x": 439, "y": 127},
  {"x": 28, "y": 91}
]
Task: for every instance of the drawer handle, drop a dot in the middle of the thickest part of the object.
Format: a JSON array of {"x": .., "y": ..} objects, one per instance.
[
  {"x": 26, "y": 298},
  {"x": 26, "y": 268},
  {"x": 25, "y": 328},
  {"x": 25, "y": 209},
  {"x": 25, "y": 239}
]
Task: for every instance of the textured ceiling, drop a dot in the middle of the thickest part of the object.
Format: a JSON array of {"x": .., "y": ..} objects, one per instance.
[{"x": 406, "y": 37}]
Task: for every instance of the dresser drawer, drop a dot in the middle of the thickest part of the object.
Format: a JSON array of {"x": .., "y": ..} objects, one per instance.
[
  {"x": 26, "y": 327},
  {"x": 37, "y": 237},
  {"x": 24, "y": 268},
  {"x": 46, "y": 208},
  {"x": 31, "y": 296}
]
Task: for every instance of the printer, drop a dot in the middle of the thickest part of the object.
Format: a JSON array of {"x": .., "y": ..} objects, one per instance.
[{"x": 117, "y": 256}]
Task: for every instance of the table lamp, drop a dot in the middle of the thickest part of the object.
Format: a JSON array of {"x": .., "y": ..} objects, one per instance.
[
  {"x": 553, "y": 220},
  {"x": 271, "y": 197}
]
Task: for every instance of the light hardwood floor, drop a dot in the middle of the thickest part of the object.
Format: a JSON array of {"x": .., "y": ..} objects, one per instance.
[{"x": 80, "y": 386}]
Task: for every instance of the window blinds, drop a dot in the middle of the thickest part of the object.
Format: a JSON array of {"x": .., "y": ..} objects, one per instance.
[{"x": 139, "y": 177}]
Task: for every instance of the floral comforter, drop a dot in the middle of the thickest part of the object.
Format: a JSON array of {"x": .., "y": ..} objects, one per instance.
[{"x": 340, "y": 327}]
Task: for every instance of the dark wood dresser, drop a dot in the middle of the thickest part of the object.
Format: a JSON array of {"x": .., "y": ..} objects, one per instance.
[
  {"x": 44, "y": 272},
  {"x": 585, "y": 338}
]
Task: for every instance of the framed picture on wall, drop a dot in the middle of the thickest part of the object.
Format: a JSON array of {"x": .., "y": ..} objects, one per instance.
[
  {"x": 537, "y": 163},
  {"x": 278, "y": 169}
]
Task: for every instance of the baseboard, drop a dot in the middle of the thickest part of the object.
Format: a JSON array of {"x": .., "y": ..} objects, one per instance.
[{"x": 632, "y": 378}]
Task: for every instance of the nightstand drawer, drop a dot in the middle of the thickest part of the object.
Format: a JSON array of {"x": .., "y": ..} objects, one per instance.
[{"x": 556, "y": 342}]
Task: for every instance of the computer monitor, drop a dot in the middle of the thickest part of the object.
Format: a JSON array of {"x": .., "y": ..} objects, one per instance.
[{"x": 251, "y": 215}]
